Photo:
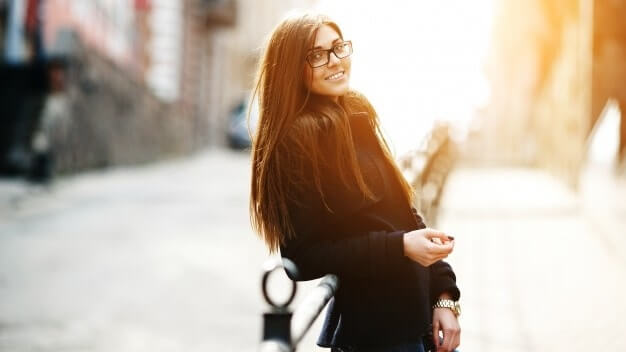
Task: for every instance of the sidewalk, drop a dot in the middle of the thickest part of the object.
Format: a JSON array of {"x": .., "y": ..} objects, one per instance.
[
  {"x": 159, "y": 257},
  {"x": 535, "y": 272},
  {"x": 13, "y": 192},
  {"x": 133, "y": 259},
  {"x": 603, "y": 198}
]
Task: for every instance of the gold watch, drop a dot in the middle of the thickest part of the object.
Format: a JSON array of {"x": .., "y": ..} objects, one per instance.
[{"x": 454, "y": 306}]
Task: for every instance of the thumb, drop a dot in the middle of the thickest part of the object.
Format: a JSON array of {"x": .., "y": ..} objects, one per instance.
[{"x": 431, "y": 233}]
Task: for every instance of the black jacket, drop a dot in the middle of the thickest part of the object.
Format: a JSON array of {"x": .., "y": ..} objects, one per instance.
[{"x": 384, "y": 298}]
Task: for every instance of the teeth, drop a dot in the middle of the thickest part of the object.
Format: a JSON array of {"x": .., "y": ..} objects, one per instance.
[{"x": 335, "y": 76}]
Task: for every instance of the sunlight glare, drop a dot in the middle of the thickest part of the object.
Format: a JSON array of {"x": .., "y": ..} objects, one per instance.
[
  {"x": 605, "y": 136},
  {"x": 418, "y": 62}
]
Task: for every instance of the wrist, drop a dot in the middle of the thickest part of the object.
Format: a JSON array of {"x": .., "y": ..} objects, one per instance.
[
  {"x": 454, "y": 306},
  {"x": 445, "y": 295}
]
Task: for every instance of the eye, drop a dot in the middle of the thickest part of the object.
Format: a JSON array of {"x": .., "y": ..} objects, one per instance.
[
  {"x": 341, "y": 47},
  {"x": 318, "y": 55}
]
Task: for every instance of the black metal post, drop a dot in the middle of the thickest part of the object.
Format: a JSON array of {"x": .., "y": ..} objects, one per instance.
[
  {"x": 281, "y": 333},
  {"x": 277, "y": 322}
]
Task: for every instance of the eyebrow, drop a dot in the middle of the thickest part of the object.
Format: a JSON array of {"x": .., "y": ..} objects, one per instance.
[{"x": 334, "y": 41}]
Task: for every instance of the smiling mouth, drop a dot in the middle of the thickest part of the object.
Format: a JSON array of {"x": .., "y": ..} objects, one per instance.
[{"x": 335, "y": 76}]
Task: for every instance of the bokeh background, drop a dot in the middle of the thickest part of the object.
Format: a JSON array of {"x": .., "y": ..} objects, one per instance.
[{"x": 124, "y": 165}]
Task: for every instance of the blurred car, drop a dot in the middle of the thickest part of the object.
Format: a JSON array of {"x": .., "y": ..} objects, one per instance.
[{"x": 239, "y": 135}]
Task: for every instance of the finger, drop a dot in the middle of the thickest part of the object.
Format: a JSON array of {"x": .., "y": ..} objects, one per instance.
[
  {"x": 440, "y": 238},
  {"x": 441, "y": 348},
  {"x": 447, "y": 340},
  {"x": 457, "y": 340},
  {"x": 430, "y": 234},
  {"x": 445, "y": 248},
  {"x": 437, "y": 257},
  {"x": 449, "y": 241},
  {"x": 436, "y": 334}
]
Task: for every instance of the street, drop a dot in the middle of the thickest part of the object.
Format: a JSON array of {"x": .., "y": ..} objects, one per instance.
[
  {"x": 152, "y": 258},
  {"x": 161, "y": 257}
]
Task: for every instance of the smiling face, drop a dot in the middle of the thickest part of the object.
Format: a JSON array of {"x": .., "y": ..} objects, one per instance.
[{"x": 333, "y": 78}]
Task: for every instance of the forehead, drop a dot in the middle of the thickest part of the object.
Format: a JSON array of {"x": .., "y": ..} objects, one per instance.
[{"x": 325, "y": 36}]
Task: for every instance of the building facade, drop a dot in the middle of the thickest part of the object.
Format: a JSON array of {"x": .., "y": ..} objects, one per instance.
[
  {"x": 554, "y": 65},
  {"x": 200, "y": 55}
]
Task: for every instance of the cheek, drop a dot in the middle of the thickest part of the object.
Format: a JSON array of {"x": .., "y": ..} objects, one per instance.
[
  {"x": 314, "y": 80},
  {"x": 318, "y": 77}
]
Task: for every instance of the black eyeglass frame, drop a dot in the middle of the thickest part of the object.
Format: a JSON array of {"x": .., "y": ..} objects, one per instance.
[{"x": 328, "y": 53}]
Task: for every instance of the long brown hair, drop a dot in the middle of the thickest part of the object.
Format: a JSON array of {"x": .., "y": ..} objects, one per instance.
[{"x": 287, "y": 146}]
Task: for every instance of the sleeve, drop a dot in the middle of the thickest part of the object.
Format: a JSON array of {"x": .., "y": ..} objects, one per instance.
[
  {"x": 319, "y": 248},
  {"x": 361, "y": 257},
  {"x": 442, "y": 277}
]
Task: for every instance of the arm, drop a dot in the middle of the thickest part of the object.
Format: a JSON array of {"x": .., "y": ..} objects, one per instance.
[
  {"x": 443, "y": 282},
  {"x": 443, "y": 285},
  {"x": 321, "y": 246},
  {"x": 316, "y": 252}
]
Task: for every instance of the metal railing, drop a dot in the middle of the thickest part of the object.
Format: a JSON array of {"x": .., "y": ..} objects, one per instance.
[
  {"x": 283, "y": 329},
  {"x": 426, "y": 169}
]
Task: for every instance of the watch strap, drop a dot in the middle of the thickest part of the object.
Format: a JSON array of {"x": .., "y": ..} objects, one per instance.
[{"x": 450, "y": 304}]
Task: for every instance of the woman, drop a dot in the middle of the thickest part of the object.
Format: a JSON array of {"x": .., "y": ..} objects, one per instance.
[{"x": 327, "y": 193}]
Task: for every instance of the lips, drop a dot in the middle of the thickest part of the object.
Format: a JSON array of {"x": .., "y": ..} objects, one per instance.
[{"x": 335, "y": 76}]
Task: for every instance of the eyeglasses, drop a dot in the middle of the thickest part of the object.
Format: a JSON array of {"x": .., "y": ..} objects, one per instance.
[{"x": 320, "y": 58}]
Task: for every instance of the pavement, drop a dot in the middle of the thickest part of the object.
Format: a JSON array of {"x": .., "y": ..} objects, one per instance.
[
  {"x": 540, "y": 267},
  {"x": 152, "y": 258},
  {"x": 162, "y": 258}
]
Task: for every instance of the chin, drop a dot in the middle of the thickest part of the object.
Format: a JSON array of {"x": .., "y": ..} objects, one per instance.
[
  {"x": 333, "y": 91},
  {"x": 338, "y": 91}
]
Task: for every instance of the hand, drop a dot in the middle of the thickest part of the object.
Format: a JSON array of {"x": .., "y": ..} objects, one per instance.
[
  {"x": 445, "y": 320},
  {"x": 426, "y": 246}
]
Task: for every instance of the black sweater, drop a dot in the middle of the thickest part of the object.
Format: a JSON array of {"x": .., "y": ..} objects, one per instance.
[{"x": 384, "y": 298}]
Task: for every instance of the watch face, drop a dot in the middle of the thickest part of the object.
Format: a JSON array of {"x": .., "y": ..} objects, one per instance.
[{"x": 457, "y": 307}]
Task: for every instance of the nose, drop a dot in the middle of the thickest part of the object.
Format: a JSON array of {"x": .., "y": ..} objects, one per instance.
[{"x": 333, "y": 59}]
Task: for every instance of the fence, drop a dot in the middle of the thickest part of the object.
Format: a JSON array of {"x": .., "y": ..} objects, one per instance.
[
  {"x": 427, "y": 169},
  {"x": 282, "y": 329}
]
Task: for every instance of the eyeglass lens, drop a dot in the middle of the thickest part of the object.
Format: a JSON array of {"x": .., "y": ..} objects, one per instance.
[{"x": 321, "y": 57}]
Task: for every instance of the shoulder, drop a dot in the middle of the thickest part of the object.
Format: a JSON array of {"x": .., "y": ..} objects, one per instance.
[
  {"x": 303, "y": 143},
  {"x": 355, "y": 95},
  {"x": 306, "y": 128},
  {"x": 357, "y": 104}
]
